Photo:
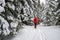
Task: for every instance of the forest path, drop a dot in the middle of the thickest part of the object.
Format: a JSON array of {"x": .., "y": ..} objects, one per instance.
[{"x": 40, "y": 33}]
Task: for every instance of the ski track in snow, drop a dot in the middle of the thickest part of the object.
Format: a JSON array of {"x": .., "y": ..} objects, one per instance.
[{"x": 41, "y": 33}]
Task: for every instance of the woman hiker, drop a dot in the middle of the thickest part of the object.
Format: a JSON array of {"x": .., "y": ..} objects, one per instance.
[{"x": 35, "y": 20}]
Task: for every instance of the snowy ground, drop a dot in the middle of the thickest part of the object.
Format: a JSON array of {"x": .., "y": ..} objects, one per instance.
[{"x": 41, "y": 33}]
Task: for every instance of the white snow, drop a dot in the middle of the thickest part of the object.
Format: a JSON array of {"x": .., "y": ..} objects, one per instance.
[
  {"x": 43, "y": 1},
  {"x": 41, "y": 33},
  {"x": 1, "y": 9},
  {"x": 4, "y": 22},
  {"x": 14, "y": 24},
  {"x": 11, "y": 6},
  {"x": 2, "y": 2},
  {"x": 10, "y": 17},
  {"x": 26, "y": 18},
  {"x": 5, "y": 26}
]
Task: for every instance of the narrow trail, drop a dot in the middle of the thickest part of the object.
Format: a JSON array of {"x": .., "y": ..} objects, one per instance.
[{"x": 40, "y": 33}]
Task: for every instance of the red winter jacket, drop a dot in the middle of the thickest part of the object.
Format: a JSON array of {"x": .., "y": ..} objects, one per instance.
[{"x": 35, "y": 20}]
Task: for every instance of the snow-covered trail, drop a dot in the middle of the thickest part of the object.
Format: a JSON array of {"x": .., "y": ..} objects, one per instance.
[{"x": 41, "y": 33}]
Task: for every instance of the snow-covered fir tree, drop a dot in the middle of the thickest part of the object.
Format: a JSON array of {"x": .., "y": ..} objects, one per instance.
[{"x": 51, "y": 12}]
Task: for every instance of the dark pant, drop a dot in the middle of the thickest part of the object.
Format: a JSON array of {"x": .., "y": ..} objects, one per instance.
[{"x": 35, "y": 25}]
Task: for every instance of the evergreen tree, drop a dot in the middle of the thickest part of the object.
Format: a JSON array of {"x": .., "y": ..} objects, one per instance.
[{"x": 52, "y": 13}]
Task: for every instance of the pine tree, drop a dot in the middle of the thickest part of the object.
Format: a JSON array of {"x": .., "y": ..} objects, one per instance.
[{"x": 52, "y": 13}]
